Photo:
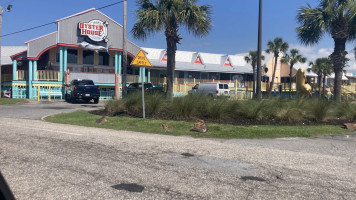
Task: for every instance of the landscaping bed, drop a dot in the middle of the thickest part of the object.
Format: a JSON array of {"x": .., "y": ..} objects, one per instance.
[
  {"x": 235, "y": 112},
  {"x": 182, "y": 128}
]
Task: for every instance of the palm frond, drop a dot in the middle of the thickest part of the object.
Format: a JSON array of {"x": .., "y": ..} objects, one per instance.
[
  {"x": 149, "y": 20},
  {"x": 197, "y": 19},
  {"x": 313, "y": 25}
]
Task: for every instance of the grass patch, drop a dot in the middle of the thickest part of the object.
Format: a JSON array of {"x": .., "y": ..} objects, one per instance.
[
  {"x": 5, "y": 101},
  {"x": 83, "y": 118}
]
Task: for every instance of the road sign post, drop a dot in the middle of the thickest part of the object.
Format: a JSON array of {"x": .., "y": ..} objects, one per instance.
[
  {"x": 143, "y": 92},
  {"x": 142, "y": 61}
]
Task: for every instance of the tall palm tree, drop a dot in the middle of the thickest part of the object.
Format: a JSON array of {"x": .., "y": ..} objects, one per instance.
[
  {"x": 337, "y": 18},
  {"x": 252, "y": 58},
  {"x": 169, "y": 15},
  {"x": 293, "y": 58},
  {"x": 317, "y": 69},
  {"x": 276, "y": 46},
  {"x": 323, "y": 67}
]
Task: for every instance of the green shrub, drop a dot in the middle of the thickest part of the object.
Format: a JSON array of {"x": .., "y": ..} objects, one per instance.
[
  {"x": 290, "y": 114},
  {"x": 250, "y": 109},
  {"x": 346, "y": 110},
  {"x": 114, "y": 107},
  {"x": 154, "y": 103},
  {"x": 272, "y": 107},
  {"x": 216, "y": 108},
  {"x": 184, "y": 107},
  {"x": 133, "y": 103},
  {"x": 319, "y": 108}
]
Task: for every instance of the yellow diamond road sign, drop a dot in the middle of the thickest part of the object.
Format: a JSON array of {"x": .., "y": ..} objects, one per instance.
[{"x": 141, "y": 60}]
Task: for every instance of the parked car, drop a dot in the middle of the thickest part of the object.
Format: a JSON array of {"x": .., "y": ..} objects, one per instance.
[
  {"x": 211, "y": 89},
  {"x": 149, "y": 88},
  {"x": 82, "y": 90}
]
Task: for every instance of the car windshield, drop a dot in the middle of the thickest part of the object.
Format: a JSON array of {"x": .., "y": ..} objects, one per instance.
[{"x": 85, "y": 82}]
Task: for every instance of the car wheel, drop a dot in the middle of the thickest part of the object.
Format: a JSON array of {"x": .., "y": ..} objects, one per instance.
[
  {"x": 73, "y": 100},
  {"x": 67, "y": 98},
  {"x": 96, "y": 101}
]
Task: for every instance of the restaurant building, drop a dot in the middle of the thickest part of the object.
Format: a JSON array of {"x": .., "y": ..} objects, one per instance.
[{"x": 88, "y": 45}]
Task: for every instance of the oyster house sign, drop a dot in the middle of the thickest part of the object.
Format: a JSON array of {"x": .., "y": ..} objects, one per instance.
[{"x": 96, "y": 30}]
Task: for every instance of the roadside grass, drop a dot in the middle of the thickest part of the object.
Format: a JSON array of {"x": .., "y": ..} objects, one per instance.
[
  {"x": 84, "y": 118},
  {"x": 5, "y": 101}
]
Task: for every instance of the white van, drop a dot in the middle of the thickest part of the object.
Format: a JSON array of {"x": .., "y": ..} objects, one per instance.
[{"x": 211, "y": 89}]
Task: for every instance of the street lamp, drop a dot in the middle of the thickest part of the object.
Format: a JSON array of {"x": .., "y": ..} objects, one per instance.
[{"x": 1, "y": 12}]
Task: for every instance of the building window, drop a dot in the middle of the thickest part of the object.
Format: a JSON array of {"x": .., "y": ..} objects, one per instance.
[
  {"x": 88, "y": 69},
  {"x": 103, "y": 58},
  {"x": 88, "y": 57},
  {"x": 72, "y": 56}
]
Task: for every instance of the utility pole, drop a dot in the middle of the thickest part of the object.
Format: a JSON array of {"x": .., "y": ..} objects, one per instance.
[
  {"x": 259, "y": 52},
  {"x": 124, "y": 56},
  {"x": 2, "y": 12}
]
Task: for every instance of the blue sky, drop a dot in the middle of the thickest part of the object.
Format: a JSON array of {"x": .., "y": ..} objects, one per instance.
[{"x": 234, "y": 24}]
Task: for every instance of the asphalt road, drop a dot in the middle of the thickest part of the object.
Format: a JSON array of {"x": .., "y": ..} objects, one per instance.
[
  {"x": 42, "y": 160},
  {"x": 38, "y": 109}
]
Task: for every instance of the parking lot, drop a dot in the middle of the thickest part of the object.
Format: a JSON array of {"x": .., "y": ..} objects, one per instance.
[{"x": 38, "y": 109}]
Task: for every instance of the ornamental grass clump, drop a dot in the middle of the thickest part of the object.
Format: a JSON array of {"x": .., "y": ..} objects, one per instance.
[
  {"x": 291, "y": 111},
  {"x": 319, "y": 108},
  {"x": 346, "y": 110},
  {"x": 250, "y": 109},
  {"x": 184, "y": 107},
  {"x": 114, "y": 107},
  {"x": 217, "y": 108},
  {"x": 133, "y": 103},
  {"x": 154, "y": 103}
]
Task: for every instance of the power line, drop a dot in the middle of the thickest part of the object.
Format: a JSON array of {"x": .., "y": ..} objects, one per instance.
[
  {"x": 43, "y": 25},
  {"x": 28, "y": 29},
  {"x": 110, "y": 5}
]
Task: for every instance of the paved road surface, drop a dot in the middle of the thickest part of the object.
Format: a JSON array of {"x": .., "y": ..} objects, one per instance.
[
  {"x": 41, "y": 160},
  {"x": 38, "y": 109}
]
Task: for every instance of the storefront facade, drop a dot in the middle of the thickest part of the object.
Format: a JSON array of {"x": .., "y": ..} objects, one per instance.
[
  {"x": 88, "y": 45},
  {"x": 85, "y": 45}
]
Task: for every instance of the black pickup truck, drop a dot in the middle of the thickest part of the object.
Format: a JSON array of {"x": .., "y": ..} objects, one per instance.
[
  {"x": 149, "y": 88},
  {"x": 82, "y": 90}
]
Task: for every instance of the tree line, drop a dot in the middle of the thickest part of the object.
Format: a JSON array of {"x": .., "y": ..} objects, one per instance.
[{"x": 334, "y": 17}]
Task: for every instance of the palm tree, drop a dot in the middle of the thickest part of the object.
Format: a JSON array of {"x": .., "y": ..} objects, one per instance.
[
  {"x": 252, "y": 58},
  {"x": 170, "y": 15},
  {"x": 337, "y": 18},
  {"x": 323, "y": 68},
  {"x": 292, "y": 59},
  {"x": 317, "y": 69},
  {"x": 276, "y": 46}
]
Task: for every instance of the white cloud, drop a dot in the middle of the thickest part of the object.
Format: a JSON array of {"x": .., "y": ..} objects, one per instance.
[{"x": 312, "y": 53}]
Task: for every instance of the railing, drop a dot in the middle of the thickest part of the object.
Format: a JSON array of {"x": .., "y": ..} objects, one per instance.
[
  {"x": 19, "y": 92},
  {"x": 349, "y": 88},
  {"x": 22, "y": 75},
  {"x": 96, "y": 77},
  {"x": 47, "y": 75}
]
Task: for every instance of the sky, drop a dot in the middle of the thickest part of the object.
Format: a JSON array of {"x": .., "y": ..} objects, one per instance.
[{"x": 234, "y": 25}]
